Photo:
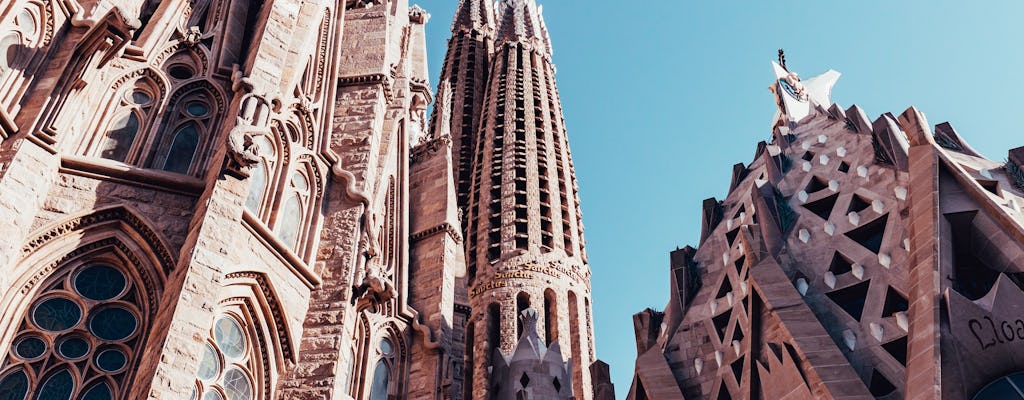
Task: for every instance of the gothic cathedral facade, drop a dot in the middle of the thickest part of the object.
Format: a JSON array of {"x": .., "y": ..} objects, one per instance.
[{"x": 246, "y": 199}]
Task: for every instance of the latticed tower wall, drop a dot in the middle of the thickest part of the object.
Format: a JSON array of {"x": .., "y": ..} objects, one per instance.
[
  {"x": 523, "y": 235},
  {"x": 464, "y": 73}
]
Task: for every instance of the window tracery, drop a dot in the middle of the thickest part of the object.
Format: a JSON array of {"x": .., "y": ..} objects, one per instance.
[
  {"x": 224, "y": 371},
  {"x": 294, "y": 208},
  {"x": 77, "y": 338},
  {"x": 135, "y": 107},
  {"x": 190, "y": 121},
  {"x": 383, "y": 369},
  {"x": 262, "y": 173},
  {"x": 23, "y": 35}
]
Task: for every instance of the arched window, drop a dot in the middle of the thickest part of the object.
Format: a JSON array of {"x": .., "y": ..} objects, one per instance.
[
  {"x": 223, "y": 372},
  {"x": 79, "y": 337},
  {"x": 261, "y": 173},
  {"x": 293, "y": 210},
  {"x": 522, "y": 303},
  {"x": 190, "y": 121},
  {"x": 119, "y": 140},
  {"x": 15, "y": 45},
  {"x": 381, "y": 381}
]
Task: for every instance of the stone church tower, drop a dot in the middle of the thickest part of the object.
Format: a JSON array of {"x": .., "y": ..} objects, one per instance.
[
  {"x": 517, "y": 190},
  {"x": 852, "y": 258},
  {"x": 245, "y": 200}
]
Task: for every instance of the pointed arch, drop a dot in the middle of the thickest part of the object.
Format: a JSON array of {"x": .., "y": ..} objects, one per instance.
[
  {"x": 190, "y": 122},
  {"x": 85, "y": 287},
  {"x": 132, "y": 107},
  {"x": 31, "y": 29}
]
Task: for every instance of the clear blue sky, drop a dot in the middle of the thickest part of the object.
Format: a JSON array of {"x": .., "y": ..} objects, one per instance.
[{"x": 662, "y": 97}]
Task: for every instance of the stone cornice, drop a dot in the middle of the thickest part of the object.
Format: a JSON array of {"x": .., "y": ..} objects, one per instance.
[
  {"x": 429, "y": 148},
  {"x": 444, "y": 227},
  {"x": 383, "y": 80}
]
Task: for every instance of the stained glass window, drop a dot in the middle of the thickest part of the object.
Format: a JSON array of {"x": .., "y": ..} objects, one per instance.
[
  {"x": 73, "y": 348},
  {"x": 111, "y": 360},
  {"x": 257, "y": 186},
  {"x": 59, "y": 386},
  {"x": 222, "y": 372},
  {"x": 57, "y": 314},
  {"x": 120, "y": 137},
  {"x": 381, "y": 376},
  {"x": 78, "y": 333},
  {"x": 98, "y": 391},
  {"x": 14, "y": 386},
  {"x": 209, "y": 367},
  {"x": 114, "y": 323},
  {"x": 1005, "y": 388},
  {"x": 291, "y": 217},
  {"x": 229, "y": 337},
  {"x": 29, "y": 348},
  {"x": 237, "y": 385},
  {"x": 183, "y": 149},
  {"x": 100, "y": 282}
]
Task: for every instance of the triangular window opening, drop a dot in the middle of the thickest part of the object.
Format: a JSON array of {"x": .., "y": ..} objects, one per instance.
[
  {"x": 880, "y": 386},
  {"x": 731, "y": 236},
  {"x": 816, "y": 185},
  {"x": 737, "y": 369},
  {"x": 990, "y": 186},
  {"x": 725, "y": 289},
  {"x": 894, "y": 303},
  {"x": 723, "y": 392},
  {"x": 897, "y": 349},
  {"x": 739, "y": 265},
  {"x": 871, "y": 234},
  {"x": 840, "y": 264},
  {"x": 737, "y": 333},
  {"x": 858, "y": 204},
  {"x": 823, "y": 208},
  {"x": 641, "y": 393},
  {"x": 851, "y": 299},
  {"x": 721, "y": 322}
]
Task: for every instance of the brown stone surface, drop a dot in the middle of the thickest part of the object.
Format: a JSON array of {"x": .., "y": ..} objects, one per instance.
[
  {"x": 269, "y": 165},
  {"x": 850, "y": 260}
]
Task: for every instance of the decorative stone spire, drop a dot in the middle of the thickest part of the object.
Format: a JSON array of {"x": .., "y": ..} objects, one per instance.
[
  {"x": 533, "y": 370},
  {"x": 523, "y": 21},
  {"x": 473, "y": 15}
]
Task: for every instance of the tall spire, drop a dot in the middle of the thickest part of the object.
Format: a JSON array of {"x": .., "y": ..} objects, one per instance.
[
  {"x": 523, "y": 225},
  {"x": 523, "y": 21},
  {"x": 473, "y": 15}
]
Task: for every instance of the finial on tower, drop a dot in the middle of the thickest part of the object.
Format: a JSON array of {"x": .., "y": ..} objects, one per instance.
[{"x": 782, "y": 59}]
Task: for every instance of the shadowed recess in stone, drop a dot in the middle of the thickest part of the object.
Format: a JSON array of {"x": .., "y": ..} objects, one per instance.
[
  {"x": 823, "y": 208},
  {"x": 808, "y": 156},
  {"x": 880, "y": 386},
  {"x": 721, "y": 322},
  {"x": 725, "y": 289},
  {"x": 871, "y": 234},
  {"x": 894, "y": 303},
  {"x": 897, "y": 349},
  {"x": 858, "y": 204},
  {"x": 723, "y": 392},
  {"x": 731, "y": 236},
  {"x": 840, "y": 264},
  {"x": 851, "y": 299},
  {"x": 972, "y": 275},
  {"x": 844, "y": 167},
  {"x": 816, "y": 185},
  {"x": 737, "y": 369},
  {"x": 739, "y": 265}
]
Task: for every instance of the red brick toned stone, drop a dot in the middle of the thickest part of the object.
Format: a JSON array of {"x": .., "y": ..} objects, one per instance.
[
  {"x": 269, "y": 165},
  {"x": 945, "y": 258}
]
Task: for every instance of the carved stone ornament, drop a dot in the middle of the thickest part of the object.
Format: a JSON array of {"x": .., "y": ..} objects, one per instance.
[
  {"x": 192, "y": 36},
  {"x": 243, "y": 153}
]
